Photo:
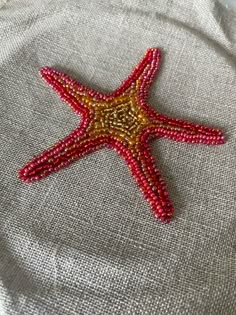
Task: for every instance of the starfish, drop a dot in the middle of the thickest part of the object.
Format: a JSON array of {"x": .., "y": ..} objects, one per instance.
[{"x": 123, "y": 121}]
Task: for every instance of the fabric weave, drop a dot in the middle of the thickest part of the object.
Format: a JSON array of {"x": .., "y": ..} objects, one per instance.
[{"x": 83, "y": 241}]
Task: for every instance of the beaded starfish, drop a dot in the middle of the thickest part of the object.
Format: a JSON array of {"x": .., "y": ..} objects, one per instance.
[{"x": 123, "y": 121}]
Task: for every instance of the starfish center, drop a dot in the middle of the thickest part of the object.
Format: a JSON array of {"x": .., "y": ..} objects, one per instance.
[{"x": 122, "y": 117}]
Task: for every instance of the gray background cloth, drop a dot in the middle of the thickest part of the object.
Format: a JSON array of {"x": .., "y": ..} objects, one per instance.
[{"x": 83, "y": 240}]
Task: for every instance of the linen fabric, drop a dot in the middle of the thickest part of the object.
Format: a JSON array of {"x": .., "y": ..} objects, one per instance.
[{"x": 83, "y": 240}]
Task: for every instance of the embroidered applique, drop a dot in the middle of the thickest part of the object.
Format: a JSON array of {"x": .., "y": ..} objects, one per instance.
[{"x": 123, "y": 121}]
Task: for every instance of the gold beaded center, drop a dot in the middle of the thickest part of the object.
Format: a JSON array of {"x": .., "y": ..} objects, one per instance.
[{"x": 121, "y": 118}]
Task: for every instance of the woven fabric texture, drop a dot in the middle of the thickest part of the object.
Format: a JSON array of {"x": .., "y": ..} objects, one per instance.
[{"x": 83, "y": 240}]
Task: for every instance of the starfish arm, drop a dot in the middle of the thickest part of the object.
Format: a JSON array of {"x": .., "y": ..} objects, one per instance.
[
  {"x": 142, "y": 166},
  {"x": 142, "y": 75},
  {"x": 71, "y": 91},
  {"x": 63, "y": 153},
  {"x": 184, "y": 131}
]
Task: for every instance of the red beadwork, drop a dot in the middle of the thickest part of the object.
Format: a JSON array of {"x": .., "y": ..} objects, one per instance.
[{"x": 123, "y": 121}]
